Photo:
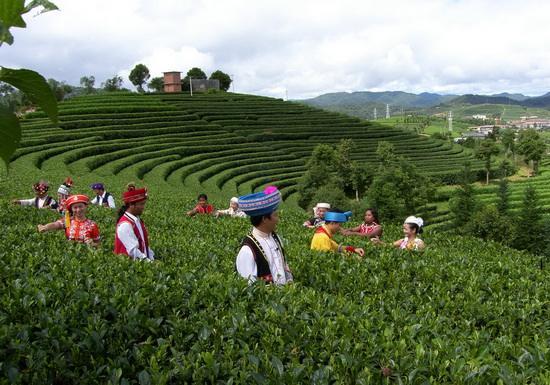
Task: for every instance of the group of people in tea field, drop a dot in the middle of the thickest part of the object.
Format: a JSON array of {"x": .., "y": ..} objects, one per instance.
[{"x": 261, "y": 255}]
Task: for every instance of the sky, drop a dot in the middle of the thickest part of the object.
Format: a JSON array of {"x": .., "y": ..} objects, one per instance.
[{"x": 298, "y": 48}]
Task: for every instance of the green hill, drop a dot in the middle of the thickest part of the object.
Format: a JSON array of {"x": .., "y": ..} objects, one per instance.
[{"x": 224, "y": 144}]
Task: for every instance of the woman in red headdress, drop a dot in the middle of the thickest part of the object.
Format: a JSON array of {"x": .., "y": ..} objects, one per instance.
[
  {"x": 77, "y": 227},
  {"x": 131, "y": 237}
]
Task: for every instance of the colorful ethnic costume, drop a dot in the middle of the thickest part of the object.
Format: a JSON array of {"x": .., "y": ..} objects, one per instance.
[
  {"x": 416, "y": 243},
  {"x": 262, "y": 255},
  {"x": 131, "y": 237},
  {"x": 323, "y": 238},
  {"x": 368, "y": 229},
  {"x": 236, "y": 213},
  {"x": 106, "y": 199},
  {"x": 63, "y": 193},
  {"x": 43, "y": 202},
  {"x": 77, "y": 230},
  {"x": 317, "y": 221},
  {"x": 208, "y": 209}
]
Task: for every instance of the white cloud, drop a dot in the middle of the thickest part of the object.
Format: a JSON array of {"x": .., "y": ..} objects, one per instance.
[{"x": 305, "y": 47}]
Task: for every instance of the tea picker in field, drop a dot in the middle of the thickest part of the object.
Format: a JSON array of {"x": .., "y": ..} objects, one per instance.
[
  {"x": 102, "y": 197},
  {"x": 370, "y": 228},
  {"x": 202, "y": 207},
  {"x": 77, "y": 227},
  {"x": 63, "y": 193},
  {"x": 131, "y": 237},
  {"x": 318, "y": 216},
  {"x": 233, "y": 210},
  {"x": 41, "y": 200},
  {"x": 262, "y": 255},
  {"x": 323, "y": 237},
  {"x": 411, "y": 228}
]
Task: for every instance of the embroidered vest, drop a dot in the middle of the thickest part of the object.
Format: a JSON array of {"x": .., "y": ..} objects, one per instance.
[
  {"x": 105, "y": 199},
  {"x": 47, "y": 202},
  {"x": 262, "y": 265},
  {"x": 143, "y": 243}
]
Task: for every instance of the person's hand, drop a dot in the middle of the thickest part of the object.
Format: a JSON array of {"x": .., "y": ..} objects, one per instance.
[
  {"x": 41, "y": 228},
  {"x": 359, "y": 251},
  {"x": 15, "y": 202},
  {"x": 89, "y": 241},
  {"x": 376, "y": 241}
]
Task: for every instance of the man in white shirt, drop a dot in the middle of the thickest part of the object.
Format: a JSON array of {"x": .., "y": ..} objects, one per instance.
[
  {"x": 262, "y": 254},
  {"x": 131, "y": 236},
  {"x": 102, "y": 197}
]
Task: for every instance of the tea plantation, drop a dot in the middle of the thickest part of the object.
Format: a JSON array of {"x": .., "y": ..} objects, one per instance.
[{"x": 462, "y": 312}]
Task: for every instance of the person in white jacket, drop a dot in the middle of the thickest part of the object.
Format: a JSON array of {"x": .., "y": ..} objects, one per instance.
[{"x": 131, "y": 236}]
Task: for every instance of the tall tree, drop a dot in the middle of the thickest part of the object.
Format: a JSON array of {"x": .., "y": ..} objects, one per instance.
[
  {"x": 60, "y": 89},
  {"x": 156, "y": 84},
  {"x": 508, "y": 139},
  {"x": 530, "y": 225},
  {"x": 113, "y": 84},
  {"x": 398, "y": 189},
  {"x": 503, "y": 194},
  {"x": 319, "y": 172},
  {"x": 486, "y": 150},
  {"x": 225, "y": 79},
  {"x": 139, "y": 75},
  {"x": 463, "y": 205},
  {"x": 196, "y": 73},
  {"x": 532, "y": 146},
  {"x": 87, "y": 82}
]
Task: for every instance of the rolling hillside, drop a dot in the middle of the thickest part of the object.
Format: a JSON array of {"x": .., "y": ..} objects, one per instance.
[{"x": 216, "y": 143}]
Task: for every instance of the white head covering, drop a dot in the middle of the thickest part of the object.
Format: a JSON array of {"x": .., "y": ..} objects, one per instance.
[
  {"x": 63, "y": 189},
  {"x": 234, "y": 200},
  {"x": 415, "y": 220},
  {"x": 323, "y": 206}
]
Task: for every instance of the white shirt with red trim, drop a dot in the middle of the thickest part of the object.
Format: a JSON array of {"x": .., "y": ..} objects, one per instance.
[{"x": 125, "y": 233}]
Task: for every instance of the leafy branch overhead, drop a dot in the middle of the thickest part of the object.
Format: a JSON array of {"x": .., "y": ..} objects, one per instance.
[
  {"x": 29, "y": 82},
  {"x": 11, "y": 12}
]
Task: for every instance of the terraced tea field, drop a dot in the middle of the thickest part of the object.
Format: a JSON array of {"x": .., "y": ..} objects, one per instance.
[{"x": 230, "y": 143}]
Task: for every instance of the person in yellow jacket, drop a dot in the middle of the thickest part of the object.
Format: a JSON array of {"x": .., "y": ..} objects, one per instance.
[{"x": 323, "y": 237}]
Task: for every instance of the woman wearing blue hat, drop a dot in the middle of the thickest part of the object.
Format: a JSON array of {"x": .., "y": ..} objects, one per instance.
[
  {"x": 262, "y": 255},
  {"x": 323, "y": 237}
]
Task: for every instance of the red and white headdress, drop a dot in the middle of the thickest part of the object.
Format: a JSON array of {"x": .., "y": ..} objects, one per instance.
[
  {"x": 132, "y": 195},
  {"x": 78, "y": 198}
]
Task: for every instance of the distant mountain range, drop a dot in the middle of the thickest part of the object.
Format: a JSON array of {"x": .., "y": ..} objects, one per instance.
[{"x": 405, "y": 100}]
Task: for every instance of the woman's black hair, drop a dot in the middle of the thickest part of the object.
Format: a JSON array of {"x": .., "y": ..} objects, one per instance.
[
  {"x": 417, "y": 229},
  {"x": 202, "y": 196},
  {"x": 121, "y": 211},
  {"x": 374, "y": 213}
]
